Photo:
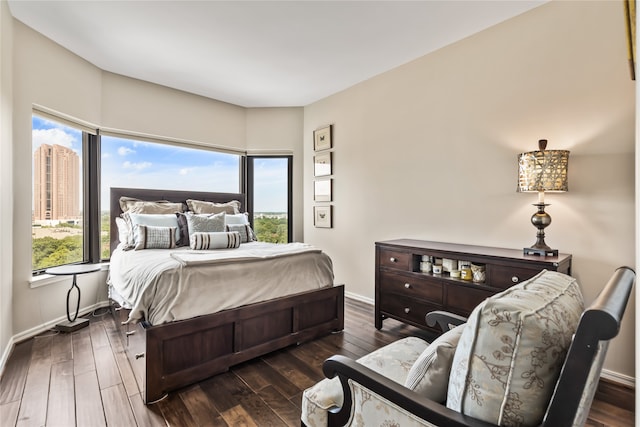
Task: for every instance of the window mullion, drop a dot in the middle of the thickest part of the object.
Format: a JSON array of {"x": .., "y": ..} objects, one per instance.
[{"x": 91, "y": 197}]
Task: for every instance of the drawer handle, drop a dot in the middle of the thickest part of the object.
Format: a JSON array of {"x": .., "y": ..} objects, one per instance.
[
  {"x": 407, "y": 285},
  {"x": 139, "y": 356},
  {"x": 129, "y": 333},
  {"x": 407, "y": 310},
  {"x": 515, "y": 279},
  {"x": 393, "y": 259}
]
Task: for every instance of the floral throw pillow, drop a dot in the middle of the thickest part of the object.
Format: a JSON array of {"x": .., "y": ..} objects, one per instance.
[{"x": 511, "y": 351}]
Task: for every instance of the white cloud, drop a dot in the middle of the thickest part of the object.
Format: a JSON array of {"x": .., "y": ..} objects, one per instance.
[
  {"x": 136, "y": 166},
  {"x": 185, "y": 171},
  {"x": 123, "y": 151},
  {"x": 51, "y": 136}
]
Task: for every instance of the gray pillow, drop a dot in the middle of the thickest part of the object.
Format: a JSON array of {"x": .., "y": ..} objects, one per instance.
[
  {"x": 429, "y": 374},
  {"x": 203, "y": 223}
]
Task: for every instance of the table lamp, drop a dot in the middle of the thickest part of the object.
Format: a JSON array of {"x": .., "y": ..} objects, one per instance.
[{"x": 542, "y": 171}]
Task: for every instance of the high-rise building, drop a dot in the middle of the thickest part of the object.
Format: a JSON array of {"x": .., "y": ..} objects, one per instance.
[{"x": 56, "y": 175}]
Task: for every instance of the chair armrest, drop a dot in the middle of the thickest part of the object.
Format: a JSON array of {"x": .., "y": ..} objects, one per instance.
[
  {"x": 444, "y": 319},
  {"x": 428, "y": 410}
]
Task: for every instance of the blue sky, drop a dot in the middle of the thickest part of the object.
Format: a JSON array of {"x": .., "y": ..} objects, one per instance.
[{"x": 137, "y": 164}]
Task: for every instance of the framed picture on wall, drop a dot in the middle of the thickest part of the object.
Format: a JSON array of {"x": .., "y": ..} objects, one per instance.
[
  {"x": 322, "y": 216},
  {"x": 322, "y": 138},
  {"x": 322, "y": 164},
  {"x": 322, "y": 191}
]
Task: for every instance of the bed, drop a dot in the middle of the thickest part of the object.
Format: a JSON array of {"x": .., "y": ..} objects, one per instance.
[{"x": 181, "y": 347}]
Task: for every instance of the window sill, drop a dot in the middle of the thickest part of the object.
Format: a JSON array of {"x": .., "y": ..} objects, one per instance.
[{"x": 49, "y": 279}]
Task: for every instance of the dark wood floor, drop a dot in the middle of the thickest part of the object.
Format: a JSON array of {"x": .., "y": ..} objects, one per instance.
[{"x": 84, "y": 379}]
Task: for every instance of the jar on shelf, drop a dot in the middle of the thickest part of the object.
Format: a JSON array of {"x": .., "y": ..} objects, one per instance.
[
  {"x": 465, "y": 271},
  {"x": 478, "y": 272}
]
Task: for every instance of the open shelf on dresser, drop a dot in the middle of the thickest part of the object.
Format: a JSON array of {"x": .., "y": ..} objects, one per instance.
[{"x": 405, "y": 293}]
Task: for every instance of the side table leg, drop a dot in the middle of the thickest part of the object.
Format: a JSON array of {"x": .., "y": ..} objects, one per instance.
[
  {"x": 74, "y": 323},
  {"x": 73, "y": 285}
]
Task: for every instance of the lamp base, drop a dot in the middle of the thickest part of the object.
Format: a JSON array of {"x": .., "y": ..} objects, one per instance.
[{"x": 540, "y": 252}]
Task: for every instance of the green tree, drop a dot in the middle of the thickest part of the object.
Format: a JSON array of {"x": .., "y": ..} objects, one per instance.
[
  {"x": 271, "y": 229},
  {"x": 50, "y": 252}
]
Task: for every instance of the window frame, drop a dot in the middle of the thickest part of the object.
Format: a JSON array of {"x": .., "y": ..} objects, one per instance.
[
  {"x": 91, "y": 179},
  {"x": 88, "y": 178},
  {"x": 251, "y": 190}
]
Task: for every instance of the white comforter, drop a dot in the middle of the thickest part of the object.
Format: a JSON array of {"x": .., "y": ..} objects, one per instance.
[{"x": 163, "y": 285}]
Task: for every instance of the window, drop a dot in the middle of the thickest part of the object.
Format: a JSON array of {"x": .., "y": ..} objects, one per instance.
[
  {"x": 146, "y": 164},
  {"x": 269, "y": 197},
  {"x": 74, "y": 169},
  {"x": 57, "y": 217}
]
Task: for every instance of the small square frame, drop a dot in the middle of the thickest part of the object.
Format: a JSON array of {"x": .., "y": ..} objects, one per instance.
[
  {"x": 322, "y": 138},
  {"x": 322, "y": 190},
  {"x": 322, "y": 216},
  {"x": 322, "y": 164}
]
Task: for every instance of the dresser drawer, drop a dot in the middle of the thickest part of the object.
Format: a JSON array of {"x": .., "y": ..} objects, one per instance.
[
  {"x": 463, "y": 299},
  {"x": 408, "y": 309},
  {"x": 395, "y": 259},
  {"x": 503, "y": 277},
  {"x": 411, "y": 286}
]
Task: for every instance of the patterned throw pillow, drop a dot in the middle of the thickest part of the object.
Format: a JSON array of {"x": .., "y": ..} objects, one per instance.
[
  {"x": 241, "y": 218},
  {"x": 155, "y": 220},
  {"x": 429, "y": 375},
  {"x": 150, "y": 237},
  {"x": 200, "y": 241},
  {"x": 511, "y": 351},
  {"x": 245, "y": 231},
  {"x": 205, "y": 223}
]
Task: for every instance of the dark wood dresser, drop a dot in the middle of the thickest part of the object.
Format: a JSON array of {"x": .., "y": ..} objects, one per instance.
[{"x": 405, "y": 293}]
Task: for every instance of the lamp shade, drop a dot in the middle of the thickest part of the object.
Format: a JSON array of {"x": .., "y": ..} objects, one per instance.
[{"x": 543, "y": 170}]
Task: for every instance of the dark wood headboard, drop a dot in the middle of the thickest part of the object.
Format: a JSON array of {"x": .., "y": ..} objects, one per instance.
[{"x": 168, "y": 195}]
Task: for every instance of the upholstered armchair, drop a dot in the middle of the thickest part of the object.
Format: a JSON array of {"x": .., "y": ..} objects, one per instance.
[{"x": 528, "y": 356}]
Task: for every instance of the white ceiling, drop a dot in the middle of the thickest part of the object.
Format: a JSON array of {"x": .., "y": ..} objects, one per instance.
[{"x": 259, "y": 53}]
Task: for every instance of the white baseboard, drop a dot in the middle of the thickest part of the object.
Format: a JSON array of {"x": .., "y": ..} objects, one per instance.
[
  {"x": 618, "y": 378},
  {"x": 5, "y": 355},
  {"x": 360, "y": 298},
  {"x": 30, "y": 333}
]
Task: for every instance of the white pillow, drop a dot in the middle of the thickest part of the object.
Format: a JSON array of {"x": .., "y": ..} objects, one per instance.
[
  {"x": 124, "y": 232},
  {"x": 199, "y": 241},
  {"x": 150, "y": 237},
  {"x": 155, "y": 220},
  {"x": 429, "y": 375},
  {"x": 241, "y": 218}
]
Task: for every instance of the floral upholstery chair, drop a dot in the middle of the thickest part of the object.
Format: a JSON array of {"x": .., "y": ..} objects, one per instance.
[{"x": 530, "y": 355}]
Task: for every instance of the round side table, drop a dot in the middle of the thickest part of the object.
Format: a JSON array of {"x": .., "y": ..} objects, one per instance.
[{"x": 73, "y": 323}]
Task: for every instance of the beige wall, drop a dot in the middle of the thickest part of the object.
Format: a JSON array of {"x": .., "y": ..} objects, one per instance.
[
  {"x": 428, "y": 150},
  {"x": 6, "y": 179},
  {"x": 46, "y": 74},
  {"x": 279, "y": 130},
  {"x": 136, "y": 105}
]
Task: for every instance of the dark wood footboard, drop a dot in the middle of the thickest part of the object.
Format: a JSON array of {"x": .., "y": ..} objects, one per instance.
[{"x": 170, "y": 356}]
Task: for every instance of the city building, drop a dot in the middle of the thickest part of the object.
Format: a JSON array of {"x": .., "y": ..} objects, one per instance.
[{"x": 56, "y": 175}]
